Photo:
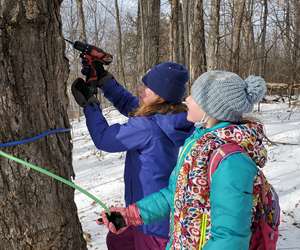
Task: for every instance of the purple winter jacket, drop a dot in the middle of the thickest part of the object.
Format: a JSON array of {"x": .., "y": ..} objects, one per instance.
[{"x": 152, "y": 144}]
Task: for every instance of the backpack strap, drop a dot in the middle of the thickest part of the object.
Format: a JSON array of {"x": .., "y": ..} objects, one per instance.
[{"x": 219, "y": 155}]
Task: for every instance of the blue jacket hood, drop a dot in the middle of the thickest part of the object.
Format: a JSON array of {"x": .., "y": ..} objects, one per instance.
[{"x": 175, "y": 126}]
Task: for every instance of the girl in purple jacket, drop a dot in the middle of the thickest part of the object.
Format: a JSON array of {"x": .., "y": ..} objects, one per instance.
[{"x": 155, "y": 130}]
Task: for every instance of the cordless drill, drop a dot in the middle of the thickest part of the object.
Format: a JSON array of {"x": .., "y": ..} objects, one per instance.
[{"x": 89, "y": 56}]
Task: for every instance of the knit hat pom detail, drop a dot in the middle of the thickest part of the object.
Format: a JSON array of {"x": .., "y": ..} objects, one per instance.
[{"x": 256, "y": 88}]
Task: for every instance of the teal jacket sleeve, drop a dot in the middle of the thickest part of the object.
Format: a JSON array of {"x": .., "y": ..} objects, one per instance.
[
  {"x": 158, "y": 205},
  {"x": 231, "y": 203}
]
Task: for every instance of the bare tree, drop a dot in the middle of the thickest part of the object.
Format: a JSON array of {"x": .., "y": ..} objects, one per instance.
[
  {"x": 287, "y": 28},
  {"x": 149, "y": 19},
  {"x": 186, "y": 21},
  {"x": 120, "y": 43},
  {"x": 181, "y": 36},
  {"x": 197, "y": 41},
  {"x": 296, "y": 55},
  {"x": 82, "y": 37},
  {"x": 213, "y": 37},
  {"x": 94, "y": 13},
  {"x": 36, "y": 212},
  {"x": 249, "y": 38},
  {"x": 174, "y": 31},
  {"x": 296, "y": 50},
  {"x": 263, "y": 54},
  {"x": 238, "y": 10},
  {"x": 81, "y": 21},
  {"x": 70, "y": 17}
]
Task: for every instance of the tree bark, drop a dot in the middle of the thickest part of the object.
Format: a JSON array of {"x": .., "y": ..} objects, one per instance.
[
  {"x": 120, "y": 43},
  {"x": 186, "y": 33},
  {"x": 81, "y": 21},
  {"x": 174, "y": 31},
  {"x": 36, "y": 212},
  {"x": 153, "y": 25},
  {"x": 74, "y": 110},
  {"x": 296, "y": 51},
  {"x": 239, "y": 7},
  {"x": 83, "y": 38},
  {"x": 213, "y": 37},
  {"x": 263, "y": 55},
  {"x": 197, "y": 42},
  {"x": 141, "y": 56},
  {"x": 149, "y": 18},
  {"x": 249, "y": 38},
  {"x": 287, "y": 31},
  {"x": 181, "y": 36},
  {"x": 296, "y": 60}
]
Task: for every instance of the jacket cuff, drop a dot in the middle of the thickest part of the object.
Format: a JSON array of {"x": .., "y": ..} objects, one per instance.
[{"x": 104, "y": 80}]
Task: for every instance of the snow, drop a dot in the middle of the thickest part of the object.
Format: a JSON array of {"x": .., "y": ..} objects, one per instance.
[{"x": 102, "y": 173}]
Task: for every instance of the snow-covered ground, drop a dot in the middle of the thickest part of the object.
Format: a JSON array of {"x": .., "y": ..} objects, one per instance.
[{"x": 102, "y": 173}]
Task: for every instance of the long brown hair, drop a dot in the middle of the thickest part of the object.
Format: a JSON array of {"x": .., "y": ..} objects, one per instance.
[
  {"x": 160, "y": 106},
  {"x": 249, "y": 119}
]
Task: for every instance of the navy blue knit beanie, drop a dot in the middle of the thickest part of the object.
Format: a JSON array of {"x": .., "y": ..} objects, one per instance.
[{"x": 168, "y": 80}]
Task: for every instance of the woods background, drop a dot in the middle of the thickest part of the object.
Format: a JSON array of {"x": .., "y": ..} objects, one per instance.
[
  {"x": 244, "y": 36},
  {"x": 259, "y": 37}
]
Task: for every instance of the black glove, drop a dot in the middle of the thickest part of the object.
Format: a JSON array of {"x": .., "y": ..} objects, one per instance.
[
  {"x": 102, "y": 74},
  {"x": 83, "y": 93}
]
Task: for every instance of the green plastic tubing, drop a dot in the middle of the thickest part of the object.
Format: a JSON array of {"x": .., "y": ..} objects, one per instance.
[{"x": 56, "y": 177}]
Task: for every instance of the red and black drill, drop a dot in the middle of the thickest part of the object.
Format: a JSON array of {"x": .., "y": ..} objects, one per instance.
[{"x": 91, "y": 55}]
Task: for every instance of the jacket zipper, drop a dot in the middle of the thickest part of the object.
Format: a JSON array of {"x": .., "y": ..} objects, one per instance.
[
  {"x": 183, "y": 151},
  {"x": 203, "y": 231}
]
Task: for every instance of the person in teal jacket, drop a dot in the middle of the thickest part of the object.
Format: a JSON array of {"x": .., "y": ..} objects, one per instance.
[{"x": 210, "y": 214}]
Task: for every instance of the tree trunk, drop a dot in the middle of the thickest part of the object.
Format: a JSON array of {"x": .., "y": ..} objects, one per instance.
[
  {"x": 149, "y": 18},
  {"x": 181, "y": 36},
  {"x": 239, "y": 7},
  {"x": 153, "y": 25},
  {"x": 81, "y": 21},
  {"x": 141, "y": 55},
  {"x": 289, "y": 47},
  {"x": 186, "y": 33},
  {"x": 197, "y": 42},
  {"x": 213, "y": 37},
  {"x": 263, "y": 55},
  {"x": 297, "y": 42},
  {"x": 82, "y": 37},
  {"x": 287, "y": 31},
  {"x": 36, "y": 212},
  {"x": 174, "y": 31},
  {"x": 74, "y": 111},
  {"x": 120, "y": 42},
  {"x": 296, "y": 51},
  {"x": 250, "y": 52}
]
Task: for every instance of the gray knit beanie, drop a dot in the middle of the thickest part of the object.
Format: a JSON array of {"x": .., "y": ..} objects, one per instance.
[{"x": 225, "y": 96}]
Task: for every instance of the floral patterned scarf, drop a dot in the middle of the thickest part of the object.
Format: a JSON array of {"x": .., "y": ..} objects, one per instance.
[{"x": 191, "y": 226}]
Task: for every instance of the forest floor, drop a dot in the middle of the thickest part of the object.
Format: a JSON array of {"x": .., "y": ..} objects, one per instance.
[{"x": 102, "y": 173}]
